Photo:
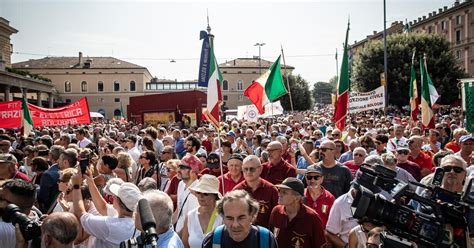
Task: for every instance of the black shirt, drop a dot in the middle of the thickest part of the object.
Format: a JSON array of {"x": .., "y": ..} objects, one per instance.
[{"x": 252, "y": 240}]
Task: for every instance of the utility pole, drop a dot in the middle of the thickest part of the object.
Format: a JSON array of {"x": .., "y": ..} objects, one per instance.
[
  {"x": 259, "y": 56},
  {"x": 385, "y": 70}
]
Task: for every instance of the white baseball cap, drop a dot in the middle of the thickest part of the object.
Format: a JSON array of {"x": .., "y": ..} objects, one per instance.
[{"x": 128, "y": 193}]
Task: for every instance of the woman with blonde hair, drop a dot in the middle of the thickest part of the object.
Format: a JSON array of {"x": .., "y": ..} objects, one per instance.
[
  {"x": 124, "y": 167},
  {"x": 172, "y": 184},
  {"x": 65, "y": 187}
]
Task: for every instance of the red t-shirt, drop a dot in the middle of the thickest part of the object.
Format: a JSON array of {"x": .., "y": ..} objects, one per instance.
[
  {"x": 21, "y": 175},
  {"x": 423, "y": 160},
  {"x": 305, "y": 230},
  {"x": 275, "y": 174},
  {"x": 267, "y": 196},
  {"x": 352, "y": 167},
  {"x": 412, "y": 168},
  {"x": 229, "y": 184},
  {"x": 286, "y": 157},
  {"x": 322, "y": 205},
  {"x": 173, "y": 189},
  {"x": 207, "y": 144},
  {"x": 453, "y": 146}
]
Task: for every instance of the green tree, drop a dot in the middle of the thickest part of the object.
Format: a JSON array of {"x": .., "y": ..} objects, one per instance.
[
  {"x": 300, "y": 94},
  {"x": 333, "y": 82},
  {"x": 441, "y": 64},
  {"x": 322, "y": 92}
]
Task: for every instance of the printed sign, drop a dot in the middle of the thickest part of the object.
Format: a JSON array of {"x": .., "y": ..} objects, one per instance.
[
  {"x": 363, "y": 101},
  {"x": 250, "y": 112}
]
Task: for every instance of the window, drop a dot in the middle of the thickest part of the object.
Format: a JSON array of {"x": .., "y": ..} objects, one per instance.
[
  {"x": 458, "y": 20},
  {"x": 116, "y": 86},
  {"x": 225, "y": 98},
  {"x": 430, "y": 29},
  {"x": 68, "y": 100},
  {"x": 166, "y": 86},
  {"x": 443, "y": 25},
  {"x": 160, "y": 86},
  {"x": 117, "y": 113},
  {"x": 100, "y": 86},
  {"x": 240, "y": 85},
  {"x": 458, "y": 36},
  {"x": 225, "y": 85},
  {"x": 132, "y": 86},
  {"x": 458, "y": 54},
  {"x": 179, "y": 86},
  {"x": 173, "y": 86},
  {"x": 241, "y": 98},
  {"x": 116, "y": 99},
  {"x": 84, "y": 86},
  {"x": 224, "y": 72},
  {"x": 67, "y": 86}
]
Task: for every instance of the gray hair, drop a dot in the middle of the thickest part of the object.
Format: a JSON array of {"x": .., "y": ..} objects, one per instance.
[
  {"x": 457, "y": 160},
  {"x": 161, "y": 206},
  {"x": 236, "y": 195},
  {"x": 62, "y": 226},
  {"x": 56, "y": 151},
  {"x": 373, "y": 160},
  {"x": 147, "y": 183},
  {"x": 282, "y": 139},
  {"x": 389, "y": 158}
]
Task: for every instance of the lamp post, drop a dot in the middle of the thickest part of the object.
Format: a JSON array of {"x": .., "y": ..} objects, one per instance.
[{"x": 259, "y": 56}]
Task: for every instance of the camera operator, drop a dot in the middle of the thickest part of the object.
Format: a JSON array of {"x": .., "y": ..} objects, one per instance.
[{"x": 22, "y": 194}]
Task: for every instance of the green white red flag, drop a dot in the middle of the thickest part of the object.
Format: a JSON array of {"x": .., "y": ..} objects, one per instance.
[
  {"x": 267, "y": 88},
  {"x": 342, "y": 93},
  {"x": 26, "y": 119},
  {"x": 414, "y": 100},
  {"x": 429, "y": 96}
]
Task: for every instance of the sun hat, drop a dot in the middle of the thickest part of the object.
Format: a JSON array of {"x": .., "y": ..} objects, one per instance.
[{"x": 207, "y": 184}]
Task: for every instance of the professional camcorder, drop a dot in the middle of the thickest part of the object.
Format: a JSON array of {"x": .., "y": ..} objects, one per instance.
[
  {"x": 438, "y": 221},
  {"x": 149, "y": 237}
]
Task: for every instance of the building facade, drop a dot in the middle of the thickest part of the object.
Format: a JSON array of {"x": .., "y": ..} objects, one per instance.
[
  {"x": 16, "y": 85},
  {"x": 107, "y": 82},
  {"x": 455, "y": 23},
  {"x": 238, "y": 74}
]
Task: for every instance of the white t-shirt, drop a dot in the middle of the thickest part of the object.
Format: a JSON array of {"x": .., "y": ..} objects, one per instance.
[
  {"x": 341, "y": 220},
  {"x": 189, "y": 204},
  {"x": 108, "y": 231}
]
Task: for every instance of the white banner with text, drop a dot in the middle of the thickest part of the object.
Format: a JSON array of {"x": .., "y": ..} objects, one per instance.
[{"x": 363, "y": 101}]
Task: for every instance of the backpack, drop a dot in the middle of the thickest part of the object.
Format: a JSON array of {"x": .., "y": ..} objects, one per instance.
[{"x": 263, "y": 234}]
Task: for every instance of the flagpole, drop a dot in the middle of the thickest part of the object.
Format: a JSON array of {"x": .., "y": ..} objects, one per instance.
[
  {"x": 385, "y": 55},
  {"x": 287, "y": 80},
  {"x": 337, "y": 68},
  {"x": 211, "y": 41}
]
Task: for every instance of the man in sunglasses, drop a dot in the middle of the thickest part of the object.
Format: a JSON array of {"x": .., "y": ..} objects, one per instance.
[
  {"x": 337, "y": 176},
  {"x": 317, "y": 197},
  {"x": 403, "y": 162},
  {"x": 260, "y": 189}
]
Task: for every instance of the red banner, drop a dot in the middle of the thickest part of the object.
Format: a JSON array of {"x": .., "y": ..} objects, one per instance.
[{"x": 72, "y": 114}]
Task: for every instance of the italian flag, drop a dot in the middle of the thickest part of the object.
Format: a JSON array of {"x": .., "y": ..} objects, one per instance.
[
  {"x": 429, "y": 95},
  {"x": 267, "y": 88},
  {"x": 342, "y": 93},
  {"x": 414, "y": 100},
  {"x": 214, "y": 94},
  {"x": 26, "y": 120}
]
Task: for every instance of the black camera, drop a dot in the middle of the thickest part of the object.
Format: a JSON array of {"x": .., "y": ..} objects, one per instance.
[{"x": 31, "y": 229}]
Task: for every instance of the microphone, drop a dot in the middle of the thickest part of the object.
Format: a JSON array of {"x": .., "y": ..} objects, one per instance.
[{"x": 148, "y": 222}]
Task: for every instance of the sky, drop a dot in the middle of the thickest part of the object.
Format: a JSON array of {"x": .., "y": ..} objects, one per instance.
[{"x": 152, "y": 33}]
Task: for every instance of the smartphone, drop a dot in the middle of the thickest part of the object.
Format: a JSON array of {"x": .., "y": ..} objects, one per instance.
[{"x": 83, "y": 164}]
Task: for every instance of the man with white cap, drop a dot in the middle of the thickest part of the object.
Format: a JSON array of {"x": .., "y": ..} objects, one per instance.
[
  {"x": 203, "y": 219},
  {"x": 467, "y": 146},
  {"x": 108, "y": 231}
]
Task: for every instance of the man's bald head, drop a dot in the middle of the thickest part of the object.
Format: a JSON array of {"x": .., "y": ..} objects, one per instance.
[{"x": 328, "y": 144}]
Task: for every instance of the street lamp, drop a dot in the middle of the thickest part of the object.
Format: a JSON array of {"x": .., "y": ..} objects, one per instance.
[{"x": 259, "y": 56}]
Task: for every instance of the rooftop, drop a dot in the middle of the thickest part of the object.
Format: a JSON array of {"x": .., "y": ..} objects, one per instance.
[
  {"x": 73, "y": 63},
  {"x": 250, "y": 63}
]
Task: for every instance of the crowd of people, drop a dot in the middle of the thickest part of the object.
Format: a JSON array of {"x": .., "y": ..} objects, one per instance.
[{"x": 288, "y": 181}]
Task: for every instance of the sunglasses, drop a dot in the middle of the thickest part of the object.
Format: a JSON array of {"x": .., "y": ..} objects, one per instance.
[
  {"x": 184, "y": 167},
  {"x": 313, "y": 177},
  {"x": 143, "y": 157},
  {"x": 249, "y": 169},
  {"x": 169, "y": 169},
  {"x": 358, "y": 155},
  {"x": 403, "y": 152},
  {"x": 453, "y": 168},
  {"x": 324, "y": 149},
  {"x": 165, "y": 152}
]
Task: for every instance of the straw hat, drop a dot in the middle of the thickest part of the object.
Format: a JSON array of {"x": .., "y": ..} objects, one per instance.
[{"x": 207, "y": 184}]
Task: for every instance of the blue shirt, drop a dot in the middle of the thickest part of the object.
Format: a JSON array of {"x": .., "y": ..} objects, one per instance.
[
  {"x": 345, "y": 157},
  {"x": 179, "y": 147},
  {"x": 169, "y": 239},
  {"x": 301, "y": 164}
]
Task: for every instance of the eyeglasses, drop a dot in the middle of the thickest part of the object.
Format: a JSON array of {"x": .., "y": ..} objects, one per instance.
[
  {"x": 324, "y": 149},
  {"x": 358, "y": 154},
  {"x": 336, "y": 134},
  {"x": 271, "y": 150},
  {"x": 456, "y": 169},
  {"x": 164, "y": 152},
  {"x": 184, "y": 167},
  {"x": 313, "y": 177},
  {"x": 403, "y": 152},
  {"x": 249, "y": 169}
]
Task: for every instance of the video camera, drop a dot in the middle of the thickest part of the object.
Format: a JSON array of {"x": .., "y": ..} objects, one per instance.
[
  {"x": 427, "y": 225},
  {"x": 148, "y": 237},
  {"x": 30, "y": 229}
]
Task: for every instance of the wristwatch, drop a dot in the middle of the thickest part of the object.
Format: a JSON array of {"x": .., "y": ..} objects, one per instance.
[{"x": 76, "y": 186}]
